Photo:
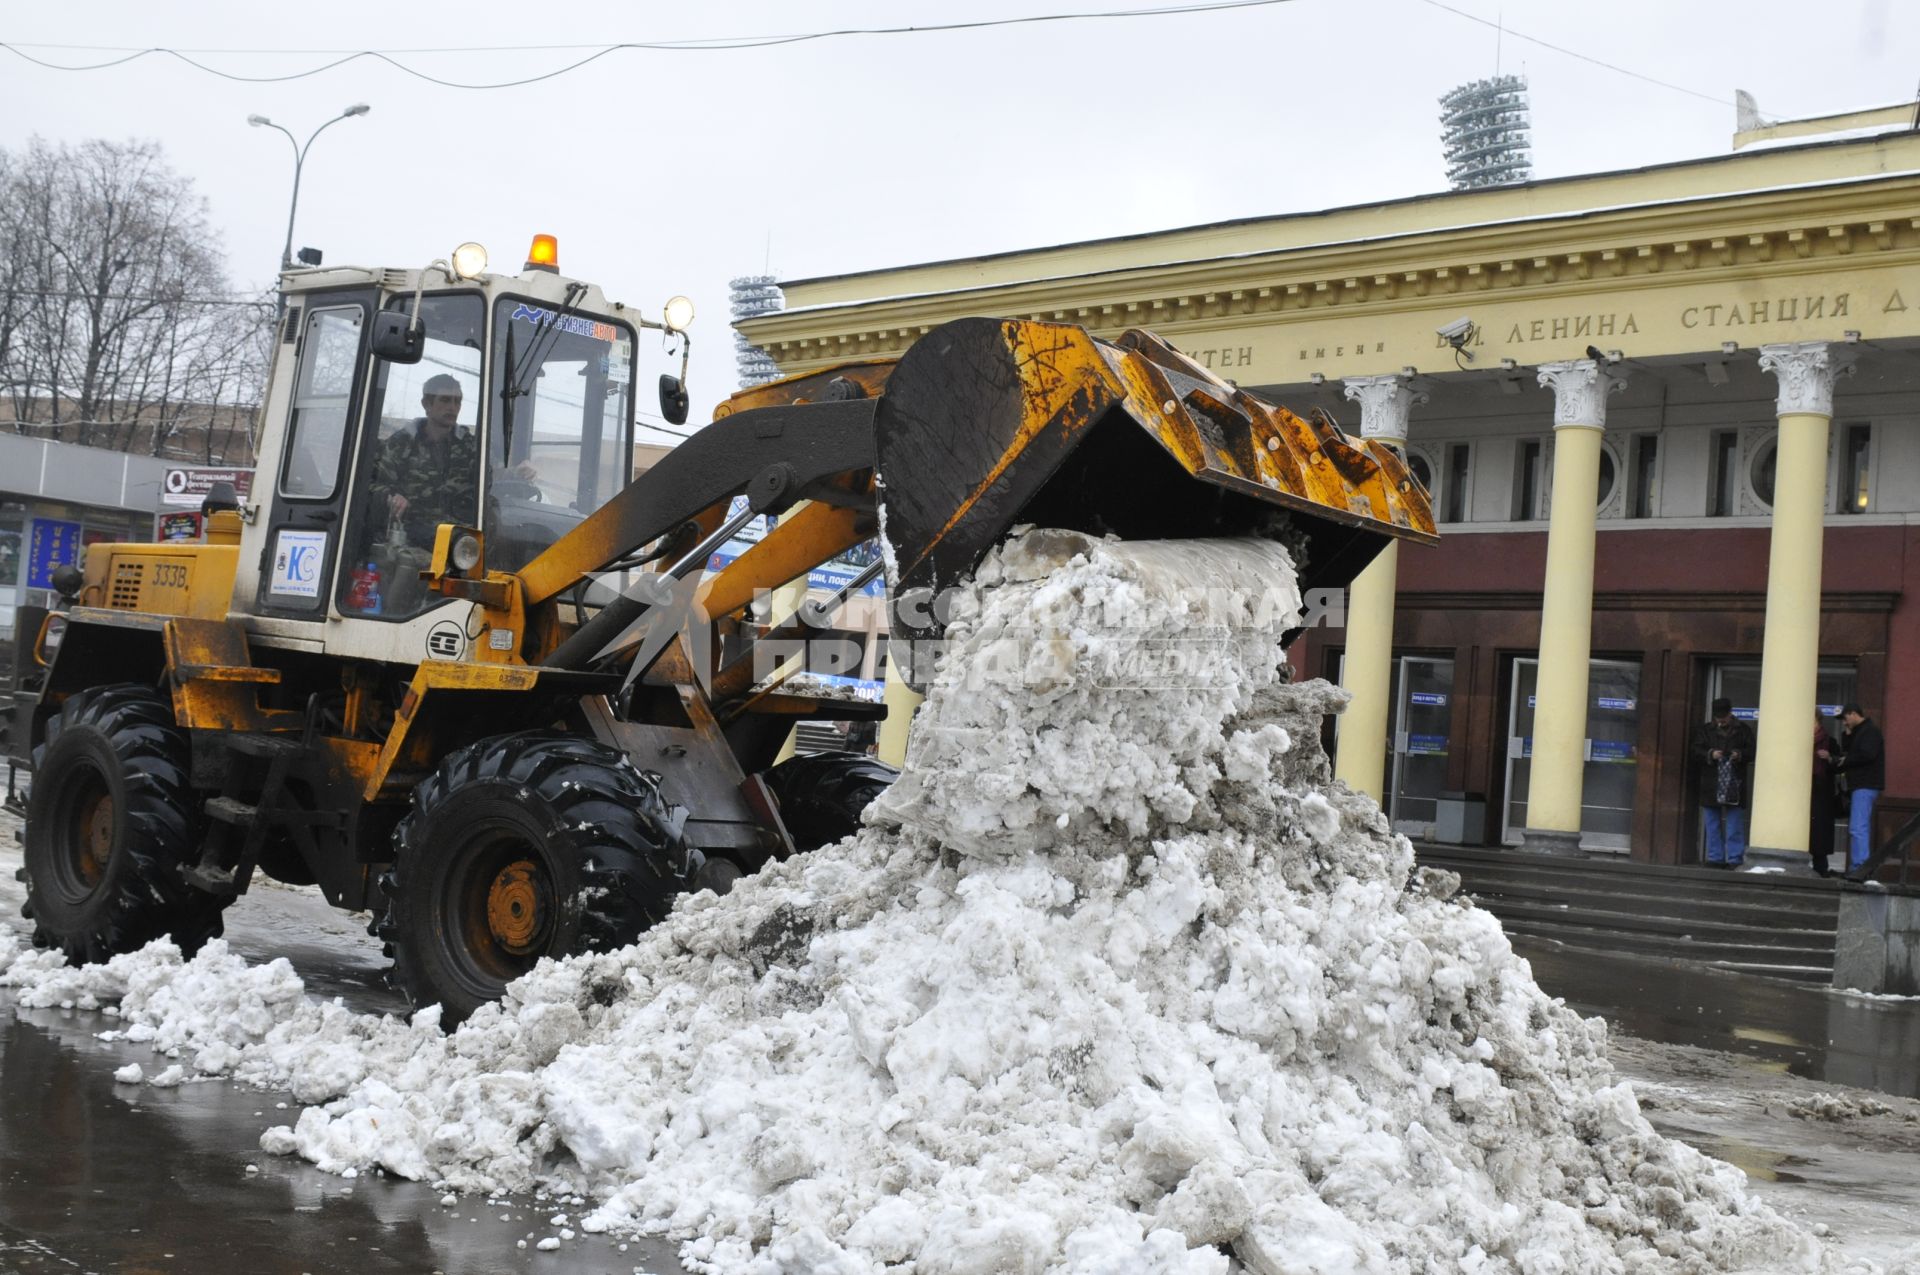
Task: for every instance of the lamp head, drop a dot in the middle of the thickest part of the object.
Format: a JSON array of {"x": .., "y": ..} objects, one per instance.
[
  {"x": 257, "y": 120},
  {"x": 358, "y": 108}
]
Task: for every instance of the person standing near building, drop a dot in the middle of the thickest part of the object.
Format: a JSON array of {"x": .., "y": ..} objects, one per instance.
[
  {"x": 1722, "y": 749},
  {"x": 1820, "y": 806},
  {"x": 1863, "y": 761}
]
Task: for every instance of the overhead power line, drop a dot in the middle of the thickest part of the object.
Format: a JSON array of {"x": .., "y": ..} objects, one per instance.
[
  {"x": 1557, "y": 48},
  {"x": 718, "y": 44}
]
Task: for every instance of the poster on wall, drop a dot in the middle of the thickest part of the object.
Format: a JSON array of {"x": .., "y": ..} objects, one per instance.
[
  {"x": 54, "y": 543},
  {"x": 176, "y": 527}
]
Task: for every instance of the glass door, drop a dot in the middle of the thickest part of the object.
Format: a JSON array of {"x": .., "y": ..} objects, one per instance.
[
  {"x": 1612, "y": 761},
  {"x": 1423, "y": 720}
]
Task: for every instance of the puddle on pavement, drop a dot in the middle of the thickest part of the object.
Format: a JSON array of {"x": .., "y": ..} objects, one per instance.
[
  {"x": 139, "y": 1180},
  {"x": 1756, "y": 1162}
]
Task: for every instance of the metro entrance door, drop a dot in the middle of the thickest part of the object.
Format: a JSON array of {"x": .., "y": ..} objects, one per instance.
[
  {"x": 1739, "y": 681},
  {"x": 1612, "y": 764},
  {"x": 1422, "y": 721}
]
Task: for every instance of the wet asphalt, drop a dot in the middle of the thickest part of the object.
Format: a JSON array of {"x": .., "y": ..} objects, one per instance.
[
  {"x": 1805, "y": 1030},
  {"x": 97, "y": 1176}
]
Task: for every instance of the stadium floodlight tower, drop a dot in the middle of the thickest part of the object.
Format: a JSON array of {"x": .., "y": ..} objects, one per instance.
[
  {"x": 1485, "y": 132},
  {"x": 753, "y": 295}
]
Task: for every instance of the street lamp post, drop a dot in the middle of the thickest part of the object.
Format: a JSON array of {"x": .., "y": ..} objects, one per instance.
[{"x": 299, "y": 160}]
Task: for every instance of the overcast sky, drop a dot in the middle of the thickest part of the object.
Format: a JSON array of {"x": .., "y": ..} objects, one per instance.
[{"x": 664, "y": 172}]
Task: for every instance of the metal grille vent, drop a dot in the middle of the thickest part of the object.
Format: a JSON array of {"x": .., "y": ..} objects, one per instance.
[{"x": 124, "y": 592}]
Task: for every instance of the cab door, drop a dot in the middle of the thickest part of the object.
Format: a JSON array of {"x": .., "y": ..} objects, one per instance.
[{"x": 308, "y": 494}]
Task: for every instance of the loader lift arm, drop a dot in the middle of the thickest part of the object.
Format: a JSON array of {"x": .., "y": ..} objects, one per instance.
[{"x": 985, "y": 423}]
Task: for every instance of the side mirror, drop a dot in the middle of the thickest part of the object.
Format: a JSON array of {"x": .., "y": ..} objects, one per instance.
[
  {"x": 396, "y": 340},
  {"x": 673, "y": 399}
]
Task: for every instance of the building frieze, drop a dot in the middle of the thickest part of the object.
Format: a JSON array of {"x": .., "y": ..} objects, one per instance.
[{"x": 1567, "y": 285}]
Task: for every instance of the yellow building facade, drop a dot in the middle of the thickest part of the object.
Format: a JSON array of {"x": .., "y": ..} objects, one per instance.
[{"x": 1650, "y": 404}]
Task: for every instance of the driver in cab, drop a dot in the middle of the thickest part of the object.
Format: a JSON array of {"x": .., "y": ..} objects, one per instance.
[{"x": 426, "y": 472}]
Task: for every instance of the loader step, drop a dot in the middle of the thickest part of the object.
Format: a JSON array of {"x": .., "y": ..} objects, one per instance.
[
  {"x": 230, "y": 810},
  {"x": 208, "y": 877},
  {"x": 266, "y": 746},
  {"x": 228, "y": 673}
]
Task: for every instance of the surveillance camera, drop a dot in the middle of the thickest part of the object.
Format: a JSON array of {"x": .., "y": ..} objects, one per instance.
[{"x": 1457, "y": 333}]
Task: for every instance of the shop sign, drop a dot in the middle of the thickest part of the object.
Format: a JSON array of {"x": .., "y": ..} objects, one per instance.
[
  {"x": 1611, "y": 751},
  {"x": 55, "y": 543},
  {"x": 1429, "y": 699},
  {"x": 192, "y": 484},
  {"x": 1426, "y": 745},
  {"x": 1615, "y": 703}
]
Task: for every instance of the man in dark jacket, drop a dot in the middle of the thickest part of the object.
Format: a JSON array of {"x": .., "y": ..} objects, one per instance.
[
  {"x": 1722, "y": 749},
  {"x": 426, "y": 474},
  {"x": 1863, "y": 760}
]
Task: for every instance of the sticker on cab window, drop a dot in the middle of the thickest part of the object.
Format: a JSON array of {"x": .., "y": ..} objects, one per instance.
[{"x": 298, "y": 557}]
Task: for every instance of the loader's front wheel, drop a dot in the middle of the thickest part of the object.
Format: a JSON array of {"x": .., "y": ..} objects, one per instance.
[
  {"x": 524, "y": 846},
  {"x": 111, "y": 820},
  {"x": 822, "y": 795}
]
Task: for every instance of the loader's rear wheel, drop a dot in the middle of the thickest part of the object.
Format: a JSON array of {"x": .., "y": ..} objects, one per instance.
[
  {"x": 822, "y": 795},
  {"x": 110, "y": 822},
  {"x": 528, "y": 845}
]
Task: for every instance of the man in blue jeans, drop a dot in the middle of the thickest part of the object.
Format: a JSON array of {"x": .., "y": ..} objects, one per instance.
[
  {"x": 1863, "y": 760},
  {"x": 1723, "y": 748}
]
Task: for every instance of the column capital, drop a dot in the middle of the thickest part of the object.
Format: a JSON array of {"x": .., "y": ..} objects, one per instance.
[
  {"x": 1805, "y": 372},
  {"x": 1385, "y": 402},
  {"x": 1580, "y": 388}
]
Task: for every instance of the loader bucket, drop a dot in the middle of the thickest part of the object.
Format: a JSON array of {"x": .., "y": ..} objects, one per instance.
[{"x": 987, "y": 423}]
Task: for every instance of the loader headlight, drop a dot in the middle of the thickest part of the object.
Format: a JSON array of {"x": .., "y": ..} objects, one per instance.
[
  {"x": 469, "y": 260},
  {"x": 465, "y": 553},
  {"x": 679, "y": 314}
]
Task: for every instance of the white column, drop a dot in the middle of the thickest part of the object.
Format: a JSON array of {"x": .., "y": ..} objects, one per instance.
[
  {"x": 1385, "y": 403},
  {"x": 1790, "y": 650},
  {"x": 1557, "y": 779}
]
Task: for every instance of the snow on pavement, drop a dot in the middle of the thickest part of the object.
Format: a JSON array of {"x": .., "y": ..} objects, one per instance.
[{"x": 1115, "y": 980}]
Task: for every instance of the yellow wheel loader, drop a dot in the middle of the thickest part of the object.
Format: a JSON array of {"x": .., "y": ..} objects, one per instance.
[{"x": 453, "y": 662}]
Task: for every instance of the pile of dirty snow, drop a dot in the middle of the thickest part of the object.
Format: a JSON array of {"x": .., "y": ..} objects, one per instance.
[{"x": 1116, "y": 980}]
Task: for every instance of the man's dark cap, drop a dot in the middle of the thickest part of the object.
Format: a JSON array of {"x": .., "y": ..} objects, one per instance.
[
  {"x": 1722, "y": 706},
  {"x": 441, "y": 384},
  {"x": 1853, "y": 706}
]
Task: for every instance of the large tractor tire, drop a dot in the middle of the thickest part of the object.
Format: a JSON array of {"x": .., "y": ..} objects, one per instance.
[
  {"x": 111, "y": 820},
  {"x": 822, "y": 795},
  {"x": 523, "y": 846}
]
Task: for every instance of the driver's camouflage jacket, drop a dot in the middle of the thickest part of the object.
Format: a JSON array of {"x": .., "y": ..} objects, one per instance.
[{"x": 439, "y": 482}]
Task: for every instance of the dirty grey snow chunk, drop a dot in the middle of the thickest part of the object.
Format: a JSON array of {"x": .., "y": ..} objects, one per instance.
[{"x": 1114, "y": 977}]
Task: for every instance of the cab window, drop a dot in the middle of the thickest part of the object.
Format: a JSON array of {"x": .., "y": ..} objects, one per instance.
[
  {"x": 561, "y": 429},
  {"x": 420, "y": 465},
  {"x": 329, "y": 352}
]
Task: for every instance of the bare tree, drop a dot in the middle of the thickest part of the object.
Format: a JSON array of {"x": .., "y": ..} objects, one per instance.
[{"x": 118, "y": 327}]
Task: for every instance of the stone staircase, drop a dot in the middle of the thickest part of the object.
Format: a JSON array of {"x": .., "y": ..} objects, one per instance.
[{"x": 1778, "y": 924}]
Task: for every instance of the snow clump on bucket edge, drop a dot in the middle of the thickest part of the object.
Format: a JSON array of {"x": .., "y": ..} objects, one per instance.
[{"x": 1115, "y": 980}]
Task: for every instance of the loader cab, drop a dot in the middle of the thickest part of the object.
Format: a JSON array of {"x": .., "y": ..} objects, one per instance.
[{"x": 517, "y": 417}]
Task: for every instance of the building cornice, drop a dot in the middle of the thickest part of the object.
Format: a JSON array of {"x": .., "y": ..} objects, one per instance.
[{"x": 1770, "y": 234}]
